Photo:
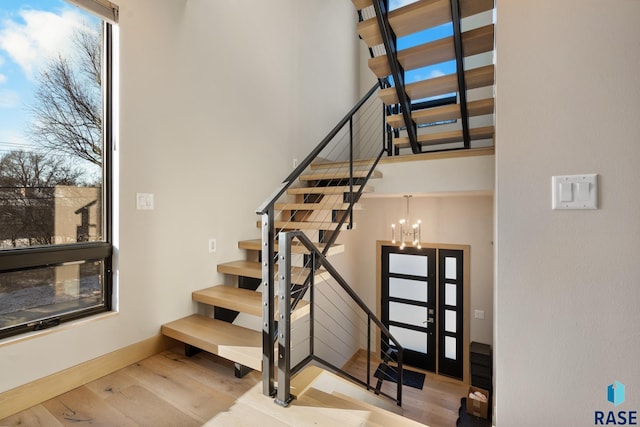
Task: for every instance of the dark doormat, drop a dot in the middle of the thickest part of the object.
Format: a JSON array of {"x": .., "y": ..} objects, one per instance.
[{"x": 409, "y": 378}]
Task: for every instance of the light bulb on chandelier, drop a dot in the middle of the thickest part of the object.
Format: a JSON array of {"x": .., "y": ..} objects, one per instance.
[{"x": 406, "y": 232}]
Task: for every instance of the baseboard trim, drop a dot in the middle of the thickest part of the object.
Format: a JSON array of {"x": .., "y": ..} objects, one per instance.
[{"x": 38, "y": 391}]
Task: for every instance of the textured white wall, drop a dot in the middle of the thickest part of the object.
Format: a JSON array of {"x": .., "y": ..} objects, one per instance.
[
  {"x": 217, "y": 97},
  {"x": 567, "y": 294}
]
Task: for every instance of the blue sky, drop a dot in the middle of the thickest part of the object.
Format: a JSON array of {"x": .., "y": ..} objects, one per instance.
[
  {"x": 422, "y": 37},
  {"x": 31, "y": 32}
]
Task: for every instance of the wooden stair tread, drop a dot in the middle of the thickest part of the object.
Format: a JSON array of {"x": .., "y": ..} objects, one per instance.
[
  {"x": 326, "y": 164},
  {"x": 361, "y": 4},
  {"x": 307, "y": 225},
  {"x": 443, "y": 113},
  {"x": 253, "y": 269},
  {"x": 326, "y": 206},
  {"x": 475, "y": 41},
  {"x": 338, "y": 386},
  {"x": 338, "y": 189},
  {"x": 232, "y": 298},
  {"x": 242, "y": 300},
  {"x": 485, "y": 132},
  {"x": 341, "y": 174},
  {"x": 474, "y": 78},
  {"x": 225, "y": 339},
  {"x": 417, "y": 16},
  {"x": 298, "y": 248}
]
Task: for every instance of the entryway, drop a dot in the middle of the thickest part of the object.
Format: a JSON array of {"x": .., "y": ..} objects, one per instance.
[{"x": 422, "y": 294}]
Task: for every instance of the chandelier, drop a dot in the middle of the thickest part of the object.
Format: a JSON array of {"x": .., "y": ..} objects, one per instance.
[{"x": 406, "y": 231}]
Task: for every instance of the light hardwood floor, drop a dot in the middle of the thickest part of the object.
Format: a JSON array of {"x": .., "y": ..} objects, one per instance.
[{"x": 169, "y": 389}]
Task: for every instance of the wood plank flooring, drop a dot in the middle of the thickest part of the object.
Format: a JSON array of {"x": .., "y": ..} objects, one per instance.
[{"x": 169, "y": 389}]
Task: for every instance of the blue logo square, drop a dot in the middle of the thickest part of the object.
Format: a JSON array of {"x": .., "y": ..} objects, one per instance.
[{"x": 615, "y": 393}]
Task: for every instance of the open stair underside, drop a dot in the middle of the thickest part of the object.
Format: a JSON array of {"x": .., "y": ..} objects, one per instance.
[{"x": 446, "y": 110}]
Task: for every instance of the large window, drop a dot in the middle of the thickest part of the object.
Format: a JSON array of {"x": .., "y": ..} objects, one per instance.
[{"x": 55, "y": 161}]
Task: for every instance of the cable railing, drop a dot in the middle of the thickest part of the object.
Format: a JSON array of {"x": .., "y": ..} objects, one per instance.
[
  {"x": 340, "y": 321},
  {"x": 336, "y": 172}
]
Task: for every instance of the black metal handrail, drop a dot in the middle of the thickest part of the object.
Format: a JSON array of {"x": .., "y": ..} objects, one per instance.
[
  {"x": 267, "y": 210},
  {"x": 263, "y": 208},
  {"x": 285, "y": 307}
]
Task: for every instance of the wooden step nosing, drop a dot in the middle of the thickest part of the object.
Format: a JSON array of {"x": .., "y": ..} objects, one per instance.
[
  {"x": 253, "y": 269},
  {"x": 256, "y": 245},
  {"x": 225, "y": 339},
  {"x": 448, "y": 137},
  {"x": 331, "y": 190},
  {"x": 443, "y": 113}
]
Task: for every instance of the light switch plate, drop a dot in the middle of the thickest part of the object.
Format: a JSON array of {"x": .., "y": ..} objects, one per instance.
[
  {"x": 144, "y": 201},
  {"x": 575, "y": 191}
]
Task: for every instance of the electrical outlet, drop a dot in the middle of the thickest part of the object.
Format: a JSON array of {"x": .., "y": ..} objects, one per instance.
[
  {"x": 479, "y": 314},
  {"x": 144, "y": 201},
  {"x": 212, "y": 245}
]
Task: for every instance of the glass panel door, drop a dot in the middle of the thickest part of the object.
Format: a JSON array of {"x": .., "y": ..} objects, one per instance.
[{"x": 409, "y": 302}]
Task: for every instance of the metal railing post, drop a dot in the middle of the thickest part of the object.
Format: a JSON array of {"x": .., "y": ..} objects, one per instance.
[
  {"x": 312, "y": 298},
  {"x": 268, "y": 327},
  {"x": 399, "y": 392},
  {"x": 368, "y": 352},
  {"x": 351, "y": 201},
  {"x": 284, "y": 320}
]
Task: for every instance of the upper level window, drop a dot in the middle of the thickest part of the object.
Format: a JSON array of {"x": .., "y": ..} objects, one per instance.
[{"x": 55, "y": 161}]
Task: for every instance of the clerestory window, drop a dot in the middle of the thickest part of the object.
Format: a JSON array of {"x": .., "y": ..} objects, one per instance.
[{"x": 56, "y": 138}]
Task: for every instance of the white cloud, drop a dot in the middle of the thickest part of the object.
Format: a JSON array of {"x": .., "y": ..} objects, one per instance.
[
  {"x": 436, "y": 73},
  {"x": 3, "y": 78},
  {"x": 42, "y": 36},
  {"x": 9, "y": 98}
]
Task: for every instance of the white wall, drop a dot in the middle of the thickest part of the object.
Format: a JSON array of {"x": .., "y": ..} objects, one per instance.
[
  {"x": 217, "y": 97},
  {"x": 567, "y": 294},
  {"x": 464, "y": 220}
]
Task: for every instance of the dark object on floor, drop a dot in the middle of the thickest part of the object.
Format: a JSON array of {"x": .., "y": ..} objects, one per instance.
[
  {"x": 467, "y": 420},
  {"x": 409, "y": 378}
]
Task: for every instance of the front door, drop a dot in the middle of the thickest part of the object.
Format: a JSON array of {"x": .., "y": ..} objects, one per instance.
[
  {"x": 422, "y": 295},
  {"x": 409, "y": 302}
]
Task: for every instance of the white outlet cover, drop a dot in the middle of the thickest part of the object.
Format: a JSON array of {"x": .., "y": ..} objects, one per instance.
[
  {"x": 212, "y": 245},
  {"x": 144, "y": 201},
  {"x": 574, "y": 191}
]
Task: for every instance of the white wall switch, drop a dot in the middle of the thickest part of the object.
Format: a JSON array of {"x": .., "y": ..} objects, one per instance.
[
  {"x": 212, "y": 245},
  {"x": 479, "y": 314},
  {"x": 144, "y": 201},
  {"x": 575, "y": 191}
]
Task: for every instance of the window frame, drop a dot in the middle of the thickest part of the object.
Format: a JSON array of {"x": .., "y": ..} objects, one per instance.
[{"x": 22, "y": 259}]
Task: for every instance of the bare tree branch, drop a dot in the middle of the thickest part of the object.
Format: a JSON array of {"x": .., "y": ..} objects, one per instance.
[{"x": 68, "y": 108}]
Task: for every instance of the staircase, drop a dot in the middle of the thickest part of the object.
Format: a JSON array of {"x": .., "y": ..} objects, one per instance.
[
  {"x": 443, "y": 112},
  {"x": 468, "y": 117},
  {"x": 316, "y": 207}
]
